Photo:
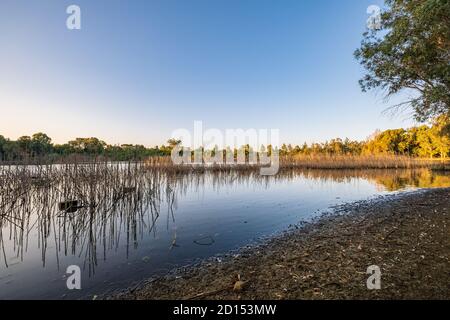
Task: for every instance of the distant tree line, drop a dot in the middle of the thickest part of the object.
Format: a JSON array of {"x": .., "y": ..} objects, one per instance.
[
  {"x": 40, "y": 146},
  {"x": 423, "y": 141}
]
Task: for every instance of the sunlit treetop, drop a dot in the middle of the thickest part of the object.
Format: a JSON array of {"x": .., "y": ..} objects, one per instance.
[{"x": 410, "y": 51}]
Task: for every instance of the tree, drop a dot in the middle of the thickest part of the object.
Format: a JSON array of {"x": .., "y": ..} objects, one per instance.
[
  {"x": 3, "y": 143},
  {"x": 440, "y": 132},
  {"x": 24, "y": 144},
  {"x": 411, "y": 51},
  {"x": 425, "y": 139},
  {"x": 388, "y": 142},
  {"x": 88, "y": 145},
  {"x": 173, "y": 143},
  {"x": 41, "y": 144}
]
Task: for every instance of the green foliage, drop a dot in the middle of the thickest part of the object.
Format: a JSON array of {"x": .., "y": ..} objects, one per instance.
[
  {"x": 424, "y": 141},
  {"x": 88, "y": 146},
  {"x": 41, "y": 144},
  {"x": 411, "y": 51}
]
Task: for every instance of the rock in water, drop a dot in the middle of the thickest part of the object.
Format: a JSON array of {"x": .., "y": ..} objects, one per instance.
[{"x": 68, "y": 206}]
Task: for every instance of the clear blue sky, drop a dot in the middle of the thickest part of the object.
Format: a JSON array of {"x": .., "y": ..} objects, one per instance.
[{"x": 137, "y": 70}]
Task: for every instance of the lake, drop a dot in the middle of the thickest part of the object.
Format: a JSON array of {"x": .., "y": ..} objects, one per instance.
[{"x": 133, "y": 224}]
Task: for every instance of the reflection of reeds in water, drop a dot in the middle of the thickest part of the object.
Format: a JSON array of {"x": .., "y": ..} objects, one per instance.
[
  {"x": 124, "y": 200},
  {"x": 116, "y": 200}
]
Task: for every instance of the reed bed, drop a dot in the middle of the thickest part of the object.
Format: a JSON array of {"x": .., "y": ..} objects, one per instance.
[
  {"x": 356, "y": 162},
  {"x": 321, "y": 161},
  {"x": 111, "y": 199}
]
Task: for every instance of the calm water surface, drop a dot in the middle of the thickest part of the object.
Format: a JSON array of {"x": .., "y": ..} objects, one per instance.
[{"x": 164, "y": 221}]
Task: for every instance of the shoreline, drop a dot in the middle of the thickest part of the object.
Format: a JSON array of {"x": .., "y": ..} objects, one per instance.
[{"x": 406, "y": 234}]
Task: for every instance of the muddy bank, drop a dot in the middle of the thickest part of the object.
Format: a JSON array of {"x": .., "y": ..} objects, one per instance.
[{"x": 406, "y": 235}]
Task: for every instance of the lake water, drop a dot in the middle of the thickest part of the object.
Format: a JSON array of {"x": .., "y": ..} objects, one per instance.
[{"x": 164, "y": 221}]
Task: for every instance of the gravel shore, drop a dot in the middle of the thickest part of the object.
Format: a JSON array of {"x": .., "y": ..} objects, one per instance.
[{"x": 407, "y": 235}]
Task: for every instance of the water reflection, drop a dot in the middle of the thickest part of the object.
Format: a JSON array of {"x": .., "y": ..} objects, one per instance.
[
  {"x": 120, "y": 205},
  {"x": 30, "y": 202}
]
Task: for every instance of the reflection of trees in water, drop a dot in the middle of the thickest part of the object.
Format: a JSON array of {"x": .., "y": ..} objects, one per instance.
[
  {"x": 122, "y": 202},
  {"x": 420, "y": 179},
  {"x": 389, "y": 179}
]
